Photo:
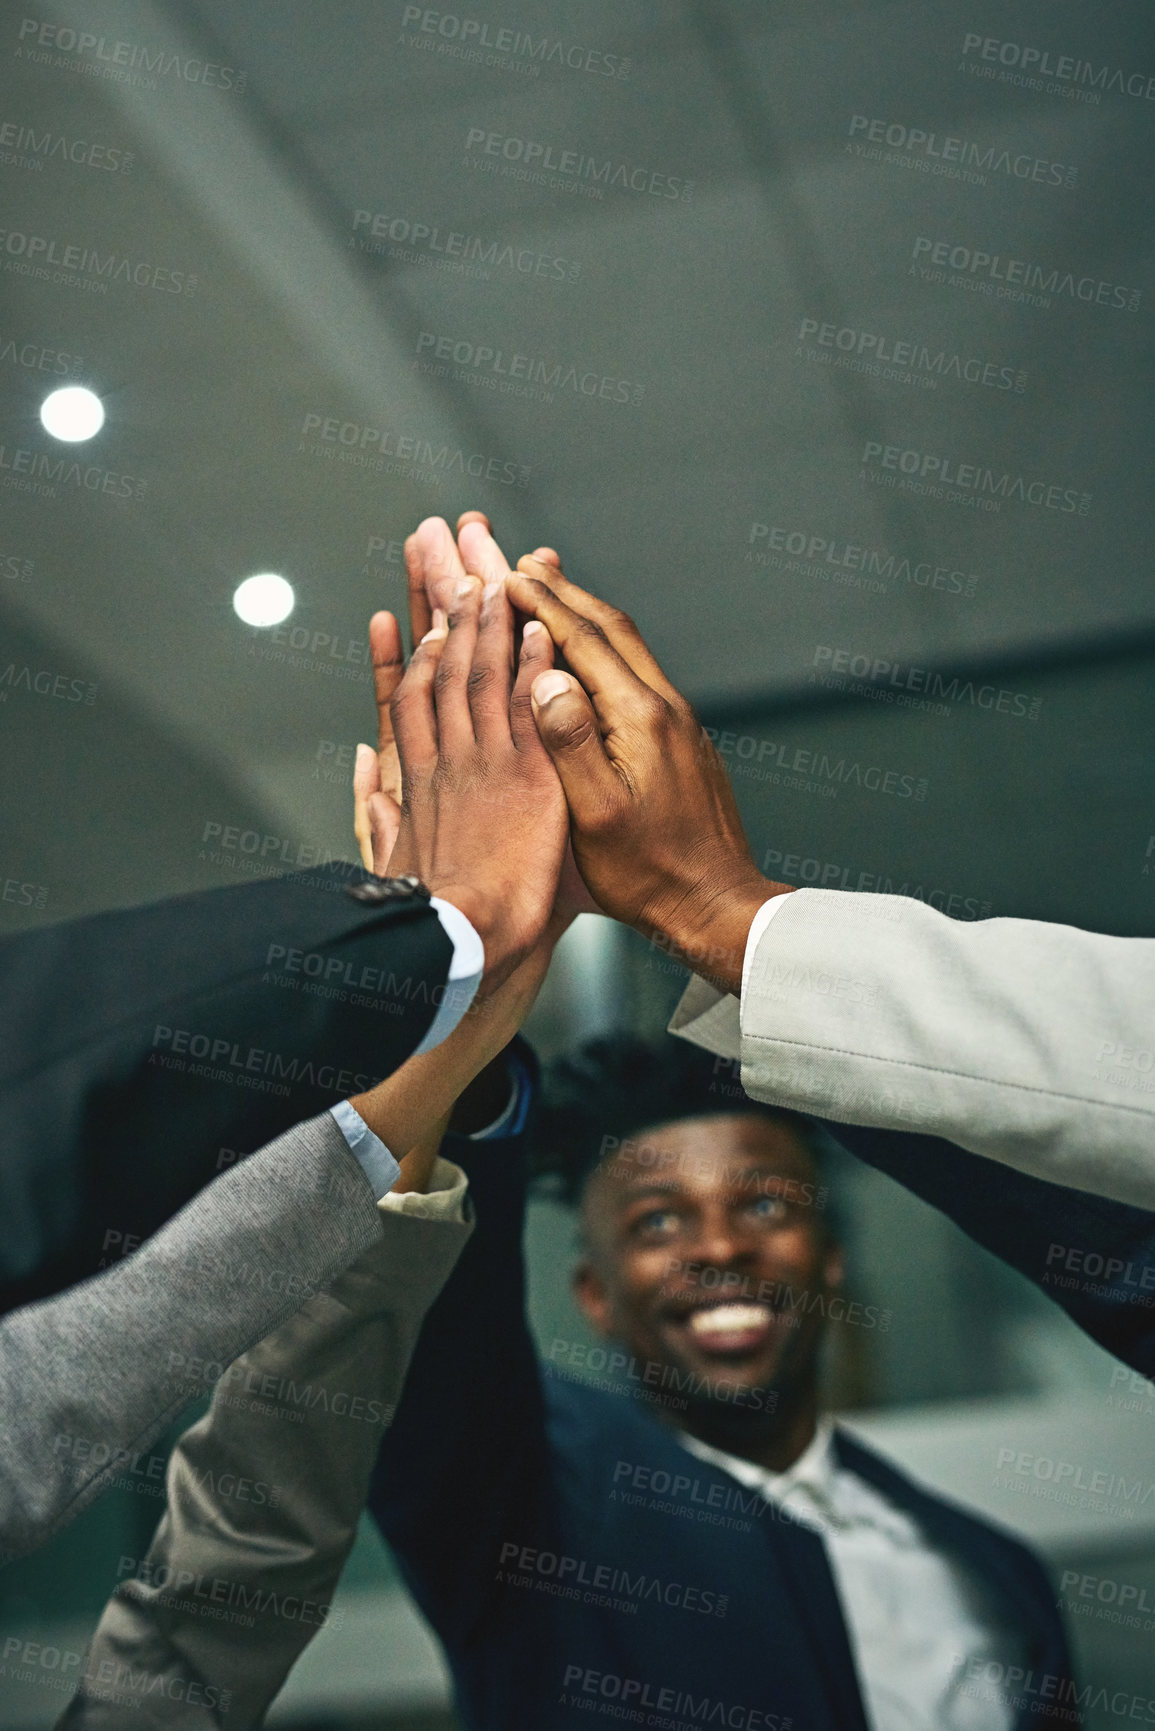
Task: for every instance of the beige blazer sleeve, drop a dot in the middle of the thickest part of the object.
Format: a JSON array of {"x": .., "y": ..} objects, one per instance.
[
  {"x": 264, "y": 1497},
  {"x": 1029, "y": 1043}
]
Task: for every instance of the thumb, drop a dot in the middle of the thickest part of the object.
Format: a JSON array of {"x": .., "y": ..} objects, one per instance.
[{"x": 569, "y": 731}]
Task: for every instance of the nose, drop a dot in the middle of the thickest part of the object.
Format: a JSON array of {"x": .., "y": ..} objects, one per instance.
[{"x": 724, "y": 1243}]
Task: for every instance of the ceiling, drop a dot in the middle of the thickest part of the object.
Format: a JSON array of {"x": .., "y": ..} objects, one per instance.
[{"x": 657, "y": 379}]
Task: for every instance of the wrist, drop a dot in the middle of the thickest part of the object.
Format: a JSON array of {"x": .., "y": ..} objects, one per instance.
[{"x": 707, "y": 929}]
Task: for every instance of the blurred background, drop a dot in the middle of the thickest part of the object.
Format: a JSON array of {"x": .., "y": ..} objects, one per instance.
[{"x": 818, "y": 336}]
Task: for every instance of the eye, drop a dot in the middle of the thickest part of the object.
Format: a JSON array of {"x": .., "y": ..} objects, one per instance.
[
  {"x": 656, "y": 1222},
  {"x": 768, "y": 1209}
]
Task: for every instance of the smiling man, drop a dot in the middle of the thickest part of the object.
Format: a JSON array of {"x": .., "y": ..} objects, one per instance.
[{"x": 707, "y": 1252}]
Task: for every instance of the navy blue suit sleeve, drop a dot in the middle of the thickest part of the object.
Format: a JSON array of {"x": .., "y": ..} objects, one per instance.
[
  {"x": 464, "y": 1468},
  {"x": 139, "y": 1047},
  {"x": 1094, "y": 1257}
]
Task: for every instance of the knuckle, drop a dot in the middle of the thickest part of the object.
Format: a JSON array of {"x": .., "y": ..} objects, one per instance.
[
  {"x": 480, "y": 680},
  {"x": 571, "y": 732},
  {"x": 589, "y": 631}
]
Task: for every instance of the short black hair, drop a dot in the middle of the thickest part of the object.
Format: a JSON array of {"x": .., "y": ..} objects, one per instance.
[{"x": 617, "y": 1084}]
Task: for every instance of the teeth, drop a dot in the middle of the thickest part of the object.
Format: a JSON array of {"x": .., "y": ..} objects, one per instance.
[{"x": 729, "y": 1319}]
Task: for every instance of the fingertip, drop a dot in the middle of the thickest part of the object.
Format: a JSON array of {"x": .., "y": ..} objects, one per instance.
[
  {"x": 472, "y": 517},
  {"x": 550, "y": 685},
  {"x": 533, "y": 628},
  {"x": 547, "y": 556}
]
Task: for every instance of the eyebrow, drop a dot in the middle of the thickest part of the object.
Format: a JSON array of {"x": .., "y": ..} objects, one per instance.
[{"x": 669, "y": 1187}]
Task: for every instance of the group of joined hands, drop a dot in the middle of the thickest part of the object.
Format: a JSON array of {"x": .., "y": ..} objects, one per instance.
[{"x": 526, "y": 792}]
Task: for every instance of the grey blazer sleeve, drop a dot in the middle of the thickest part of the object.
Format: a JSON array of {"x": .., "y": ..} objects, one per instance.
[
  {"x": 264, "y": 1496},
  {"x": 92, "y": 1376},
  {"x": 1029, "y": 1043}
]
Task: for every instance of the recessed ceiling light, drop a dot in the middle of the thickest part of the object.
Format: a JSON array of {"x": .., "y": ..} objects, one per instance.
[
  {"x": 72, "y": 414},
  {"x": 265, "y": 599}
]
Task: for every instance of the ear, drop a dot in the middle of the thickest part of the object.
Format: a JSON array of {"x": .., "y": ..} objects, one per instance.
[
  {"x": 833, "y": 1266},
  {"x": 591, "y": 1297}
]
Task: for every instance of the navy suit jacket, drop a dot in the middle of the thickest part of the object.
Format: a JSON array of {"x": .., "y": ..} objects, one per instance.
[
  {"x": 1094, "y": 1257},
  {"x": 140, "y": 1048},
  {"x": 507, "y": 1491}
]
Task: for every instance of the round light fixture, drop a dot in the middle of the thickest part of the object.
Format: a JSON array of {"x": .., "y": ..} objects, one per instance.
[
  {"x": 265, "y": 599},
  {"x": 72, "y": 414}
]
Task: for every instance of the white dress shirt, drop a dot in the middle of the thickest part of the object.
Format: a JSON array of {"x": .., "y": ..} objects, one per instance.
[
  {"x": 916, "y": 1616},
  {"x": 466, "y": 966}
]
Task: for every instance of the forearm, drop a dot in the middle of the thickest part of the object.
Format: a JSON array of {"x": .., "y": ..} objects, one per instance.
[
  {"x": 94, "y": 1375},
  {"x": 264, "y": 1495},
  {"x": 405, "y": 1109},
  {"x": 1014, "y": 1039}
]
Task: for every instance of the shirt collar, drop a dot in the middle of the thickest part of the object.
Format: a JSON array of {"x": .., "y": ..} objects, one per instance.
[{"x": 808, "y": 1483}]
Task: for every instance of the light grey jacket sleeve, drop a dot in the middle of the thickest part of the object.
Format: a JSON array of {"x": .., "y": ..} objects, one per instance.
[
  {"x": 264, "y": 1497},
  {"x": 1030, "y": 1043},
  {"x": 91, "y": 1376}
]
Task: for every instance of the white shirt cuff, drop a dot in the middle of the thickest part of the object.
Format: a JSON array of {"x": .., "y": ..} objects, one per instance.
[
  {"x": 465, "y": 970},
  {"x": 757, "y": 927},
  {"x": 443, "y": 1200},
  {"x": 368, "y": 1150}
]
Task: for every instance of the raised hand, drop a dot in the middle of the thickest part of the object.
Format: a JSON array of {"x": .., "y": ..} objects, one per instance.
[
  {"x": 436, "y": 563},
  {"x": 654, "y": 824},
  {"x": 483, "y": 818}
]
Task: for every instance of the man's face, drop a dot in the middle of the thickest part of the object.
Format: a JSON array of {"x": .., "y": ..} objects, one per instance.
[{"x": 708, "y": 1252}]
